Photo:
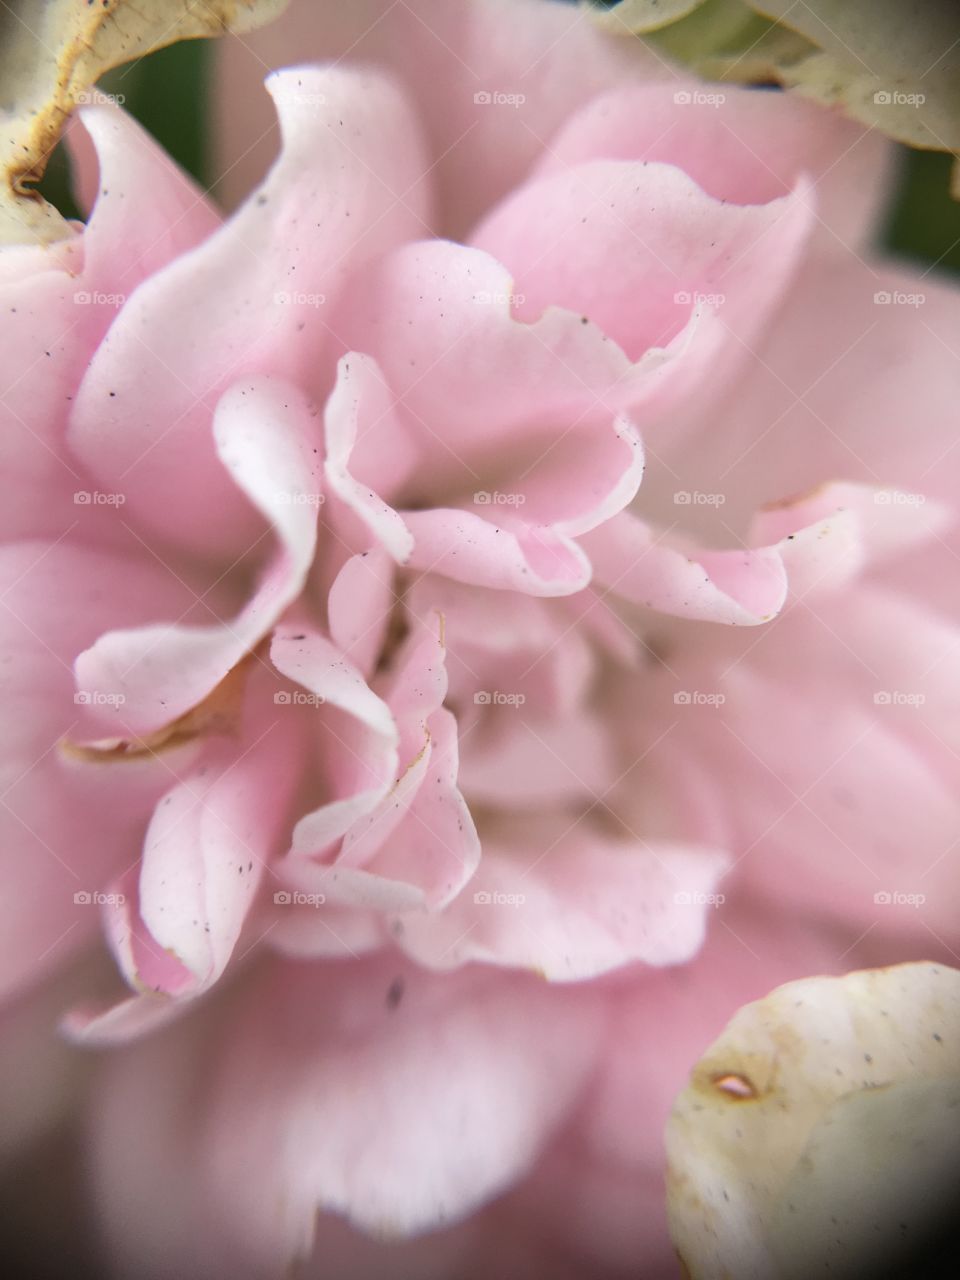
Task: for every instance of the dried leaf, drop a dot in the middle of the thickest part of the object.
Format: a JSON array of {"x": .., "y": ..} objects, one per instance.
[
  {"x": 890, "y": 66},
  {"x": 637, "y": 16},
  {"x": 821, "y": 1130},
  {"x": 51, "y": 54}
]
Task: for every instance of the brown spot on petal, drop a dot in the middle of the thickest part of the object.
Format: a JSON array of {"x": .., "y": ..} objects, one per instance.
[
  {"x": 736, "y": 1086},
  {"x": 217, "y": 714}
]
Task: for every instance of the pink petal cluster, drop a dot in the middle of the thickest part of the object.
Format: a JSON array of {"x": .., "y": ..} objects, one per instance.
[{"x": 420, "y": 674}]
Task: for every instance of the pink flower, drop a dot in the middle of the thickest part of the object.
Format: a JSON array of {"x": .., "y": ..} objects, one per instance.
[{"x": 392, "y": 622}]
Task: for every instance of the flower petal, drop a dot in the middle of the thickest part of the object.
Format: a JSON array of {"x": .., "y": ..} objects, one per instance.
[
  {"x": 255, "y": 295},
  {"x": 273, "y": 1129},
  {"x": 57, "y": 303},
  {"x": 264, "y": 433},
  {"x": 737, "y": 146},
  {"x": 620, "y": 231},
  {"x": 571, "y": 906}
]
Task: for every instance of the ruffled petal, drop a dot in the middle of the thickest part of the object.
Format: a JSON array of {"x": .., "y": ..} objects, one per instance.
[
  {"x": 540, "y": 60},
  {"x": 56, "y": 303},
  {"x": 264, "y": 434},
  {"x": 571, "y": 906},
  {"x": 257, "y": 296},
  {"x": 71, "y": 821},
  {"x": 623, "y": 231},
  {"x": 273, "y": 1106},
  {"x": 738, "y": 147}
]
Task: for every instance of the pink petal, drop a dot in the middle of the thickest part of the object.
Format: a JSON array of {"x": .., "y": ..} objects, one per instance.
[
  {"x": 366, "y": 739},
  {"x": 69, "y": 823},
  {"x": 359, "y": 390},
  {"x": 506, "y": 642},
  {"x": 868, "y": 523},
  {"x": 143, "y": 199},
  {"x": 205, "y": 854},
  {"x": 58, "y": 303},
  {"x": 273, "y": 1132},
  {"x": 454, "y": 340},
  {"x": 737, "y": 146},
  {"x": 141, "y": 419},
  {"x": 620, "y": 231},
  {"x": 435, "y": 847},
  {"x": 827, "y": 393},
  {"x": 552, "y": 57},
  {"x": 508, "y": 555},
  {"x": 741, "y": 587},
  {"x": 264, "y": 434},
  {"x": 522, "y": 761},
  {"x": 359, "y": 606},
  {"x": 570, "y": 906}
]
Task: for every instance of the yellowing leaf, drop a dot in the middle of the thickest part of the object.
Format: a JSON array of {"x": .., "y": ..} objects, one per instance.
[
  {"x": 821, "y": 1130},
  {"x": 53, "y": 51}
]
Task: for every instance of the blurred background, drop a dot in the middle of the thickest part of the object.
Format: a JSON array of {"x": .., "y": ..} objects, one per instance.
[{"x": 168, "y": 94}]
